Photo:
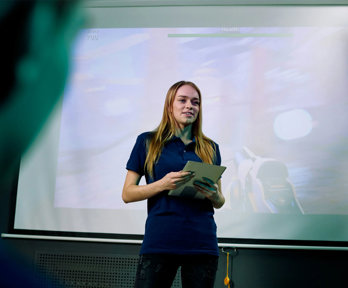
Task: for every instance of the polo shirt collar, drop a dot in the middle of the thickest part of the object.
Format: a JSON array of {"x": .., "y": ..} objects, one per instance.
[{"x": 175, "y": 138}]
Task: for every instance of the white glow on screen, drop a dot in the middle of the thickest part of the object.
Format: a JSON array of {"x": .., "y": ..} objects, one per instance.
[{"x": 293, "y": 124}]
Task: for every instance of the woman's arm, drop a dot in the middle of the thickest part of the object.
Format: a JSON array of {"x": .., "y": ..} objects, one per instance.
[
  {"x": 212, "y": 191},
  {"x": 219, "y": 199},
  {"x": 133, "y": 192}
]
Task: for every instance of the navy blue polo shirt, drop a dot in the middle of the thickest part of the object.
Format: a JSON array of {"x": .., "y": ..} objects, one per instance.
[{"x": 175, "y": 225}]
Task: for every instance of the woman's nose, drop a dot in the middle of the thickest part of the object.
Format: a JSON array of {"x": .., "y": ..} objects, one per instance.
[{"x": 188, "y": 104}]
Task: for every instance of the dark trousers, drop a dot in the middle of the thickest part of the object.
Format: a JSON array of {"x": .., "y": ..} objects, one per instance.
[{"x": 159, "y": 270}]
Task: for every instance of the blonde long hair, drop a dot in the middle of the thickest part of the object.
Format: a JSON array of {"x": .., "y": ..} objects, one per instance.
[{"x": 205, "y": 147}]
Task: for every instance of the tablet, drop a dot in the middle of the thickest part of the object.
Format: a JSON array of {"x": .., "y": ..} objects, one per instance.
[{"x": 213, "y": 172}]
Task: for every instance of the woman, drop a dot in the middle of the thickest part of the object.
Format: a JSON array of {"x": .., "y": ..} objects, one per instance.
[{"x": 179, "y": 232}]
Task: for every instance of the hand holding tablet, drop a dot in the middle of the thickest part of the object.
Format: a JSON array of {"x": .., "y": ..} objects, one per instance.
[{"x": 205, "y": 176}]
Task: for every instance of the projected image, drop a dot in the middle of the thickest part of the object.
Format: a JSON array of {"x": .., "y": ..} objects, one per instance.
[
  {"x": 264, "y": 185},
  {"x": 274, "y": 99}
]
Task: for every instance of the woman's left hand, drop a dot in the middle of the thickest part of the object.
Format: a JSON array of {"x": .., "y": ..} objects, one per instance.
[{"x": 210, "y": 190}]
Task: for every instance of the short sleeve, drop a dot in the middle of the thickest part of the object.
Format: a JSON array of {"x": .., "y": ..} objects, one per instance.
[
  {"x": 137, "y": 157},
  {"x": 217, "y": 160}
]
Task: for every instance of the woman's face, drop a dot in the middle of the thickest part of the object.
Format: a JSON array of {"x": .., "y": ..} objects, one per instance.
[{"x": 185, "y": 107}]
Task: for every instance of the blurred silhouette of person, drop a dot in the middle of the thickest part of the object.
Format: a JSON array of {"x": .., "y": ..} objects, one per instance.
[{"x": 36, "y": 41}]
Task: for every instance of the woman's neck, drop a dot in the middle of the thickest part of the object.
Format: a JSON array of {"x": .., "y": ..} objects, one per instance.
[{"x": 185, "y": 134}]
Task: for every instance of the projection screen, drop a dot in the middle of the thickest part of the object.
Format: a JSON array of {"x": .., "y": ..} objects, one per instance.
[{"x": 274, "y": 87}]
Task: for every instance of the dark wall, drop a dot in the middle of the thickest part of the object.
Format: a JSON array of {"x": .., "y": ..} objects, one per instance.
[
  {"x": 248, "y": 267},
  {"x": 290, "y": 268}
]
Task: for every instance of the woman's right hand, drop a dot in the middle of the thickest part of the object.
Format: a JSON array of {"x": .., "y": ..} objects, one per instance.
[
  {"x": 133, "y": 192},
  {"x": 174, "y": 180}
]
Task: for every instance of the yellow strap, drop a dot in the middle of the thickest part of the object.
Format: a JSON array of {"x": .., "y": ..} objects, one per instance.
[{"x": 227, "y": 279}]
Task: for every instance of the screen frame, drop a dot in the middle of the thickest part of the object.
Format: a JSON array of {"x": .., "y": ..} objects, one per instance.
[{"x": 121, "y": 7}]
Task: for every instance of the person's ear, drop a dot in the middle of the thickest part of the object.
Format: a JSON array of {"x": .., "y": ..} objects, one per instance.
[
  {"x": 27, "y": 70},
  {"x": 41, "y": 25}
]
